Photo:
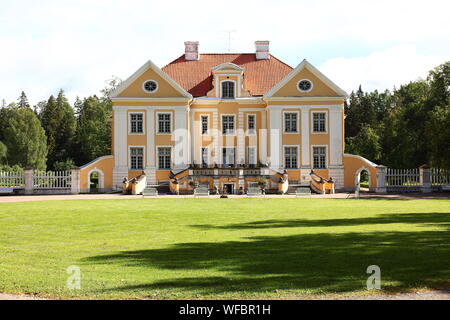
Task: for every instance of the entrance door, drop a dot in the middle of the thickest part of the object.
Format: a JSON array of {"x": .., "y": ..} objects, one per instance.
[
  {"x": 229, "y": 187},
  {"x": 228, "y": 157}
]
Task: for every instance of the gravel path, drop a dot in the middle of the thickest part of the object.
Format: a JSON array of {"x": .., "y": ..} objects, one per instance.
[
  {"x": 421, "y": 295},
  {"x": 5, "y": 198}
]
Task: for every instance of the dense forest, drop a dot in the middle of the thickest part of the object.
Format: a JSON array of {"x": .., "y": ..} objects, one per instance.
[{"x": 402, "y": 128}]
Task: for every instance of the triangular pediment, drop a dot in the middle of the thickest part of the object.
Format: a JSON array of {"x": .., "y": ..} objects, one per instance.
[
  {"x": 133, "y": 86},
  {"x": 228, "y": 66},
  {"x": 321, "y": 85}
]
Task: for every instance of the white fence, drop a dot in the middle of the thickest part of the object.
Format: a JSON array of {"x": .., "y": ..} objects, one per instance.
[
  {"x": 440, "y": 177},
  {"x": 52, "y": 180},
  {"x": 12, "y": 179},
  {"x": 404, "y": 178}
]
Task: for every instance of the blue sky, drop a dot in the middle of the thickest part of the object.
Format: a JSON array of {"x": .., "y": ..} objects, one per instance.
[{"x": 77, "y": 45}]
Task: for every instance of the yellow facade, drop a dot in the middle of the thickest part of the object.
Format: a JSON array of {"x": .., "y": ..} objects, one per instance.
[{"x": 267, "y": 144}]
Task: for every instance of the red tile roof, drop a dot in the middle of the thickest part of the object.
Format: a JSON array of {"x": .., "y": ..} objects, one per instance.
[{"x": 196, "y": 76}]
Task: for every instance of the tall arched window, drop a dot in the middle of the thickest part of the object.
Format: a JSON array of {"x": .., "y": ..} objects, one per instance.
[{"x": 227, "y": 90}]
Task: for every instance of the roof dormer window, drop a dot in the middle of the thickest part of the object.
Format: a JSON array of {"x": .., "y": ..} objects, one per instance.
[{"x": 228, "y": 90}]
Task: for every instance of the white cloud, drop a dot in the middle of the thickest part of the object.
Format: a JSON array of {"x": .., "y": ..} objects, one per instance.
[
  {"x": 77, "y": 45},
  {"x": 382, "y": 69}
]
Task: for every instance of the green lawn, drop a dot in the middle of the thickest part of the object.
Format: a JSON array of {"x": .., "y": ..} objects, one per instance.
[{"x": 222, "y": 248}]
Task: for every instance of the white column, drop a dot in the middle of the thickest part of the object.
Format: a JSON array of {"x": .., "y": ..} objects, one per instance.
[
  {"x": 336, "y": 138},
  {"x": 306, "y": 162},
  {"x": 275, "y": 138},
  {"x": 181, "y": 140}
]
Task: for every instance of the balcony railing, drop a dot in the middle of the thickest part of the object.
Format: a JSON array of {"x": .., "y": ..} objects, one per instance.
[{"x": 233, "y": 172}]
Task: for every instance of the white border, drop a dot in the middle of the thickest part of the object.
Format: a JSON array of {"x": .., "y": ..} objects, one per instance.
[
  {"x": 143, "y": 122},
  {"x": 201, "y": 124},
  {"x": 144, "y": 160},
  {"x": 157, "y": 122},
  {"x": 326, "y": 122},
  {"x": 284, "y": 156},
  {"x": 235, "y": 89},
  {"x": 303, "y": 91},
  {"x": 326, "y": 156},
  {"x": 171, "y": 156},
  {"x": 101, "y": 178},
  {"x": 255, "y": 153},
  {"x": 221, "y": 124},
  {"x": 150, "y": 92},
  {"x": 247, "y": 131},
  {"x": 298, "y": 120}
]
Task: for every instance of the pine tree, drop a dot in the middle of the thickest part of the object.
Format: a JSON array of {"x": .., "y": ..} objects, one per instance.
[
  {"x": 22, "y": 101},
  {"x": 59, "y": 122}
]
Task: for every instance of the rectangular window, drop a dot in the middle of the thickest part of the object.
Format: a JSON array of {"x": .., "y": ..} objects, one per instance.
[
  {"x": 251, "y": 156},
  {"x": 290, "y": 122},
  {"x": 290, "y": 158},
  {"x": 137, "y": 158},
  {"x": 319, "y": 157},
  {"x": 319, "y": 122},
  {"x": 228, "y": 90},
  {"x": 136, "y": 123},
  {"x": 204, "y": 157},
  {"x": 251, "y": 123},
  {"x": 204, "y": 124},
  {"x": 164, "y": 157},
  {"x": 164, "y": 123},
  {"x": 228, "y": 157},
  {"x": 227, "y": 124}
]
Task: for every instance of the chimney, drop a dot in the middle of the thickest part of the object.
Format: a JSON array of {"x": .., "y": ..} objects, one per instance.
[
  {"x": 262, "y": 49},
  {"x": 191, "y": 50}
]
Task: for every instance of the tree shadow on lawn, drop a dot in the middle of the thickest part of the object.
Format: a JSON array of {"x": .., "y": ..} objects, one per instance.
[
  {"x": 321, "y": 262},
  {"x": 440, "y": 219}
]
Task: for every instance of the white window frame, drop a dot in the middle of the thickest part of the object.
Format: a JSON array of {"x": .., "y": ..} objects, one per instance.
[
  {"x": 255, "y": 154},
  {"x": 221, "y": 155},
  {"x": 143, "y": 122},
  {"x": 298, "y": 155},
  {"x": 326, "y": 156},
  {"x": 201, "y": 124},
  {"x": 326, "y": 122},
  {"x": 251, "y": 133},
  {"x": 150, "y": 92},
  {"x": 157, "y": 122},
  {"x": 310, "y": 89},
  {"x": 234, "y": 124},
  {"x": 157, "y": 157},
  {"x": 235, "y": 89},
  {"x": 201, "y": 156},
  {"x": 297, "y": 124},
  {"x": 143, "y": 158}
]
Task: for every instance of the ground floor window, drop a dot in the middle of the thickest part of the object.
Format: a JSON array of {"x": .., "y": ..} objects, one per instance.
[
  {"x": 319, "y": 157},
  {"x": 137, "y": 158},
  {"x": 251, "y": 156},
  {"x": 290, "y": 158},
  {"x": 164, "y": 157}
]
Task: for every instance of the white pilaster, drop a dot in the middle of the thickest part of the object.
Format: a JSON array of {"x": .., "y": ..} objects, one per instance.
[
  {"x": 263, "y": 138},
  {"x": 150, "y": 169},
  {"x": 215, "y": 135},
  {"x": 181, "y": 140},
  {"x": 240, "y": 139},
  {"x": 336, "y": 139},
  {"x": 120, "y": 170},
  {"x": 275, "y": 138},
  {"x": 305, "y": 138}
]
